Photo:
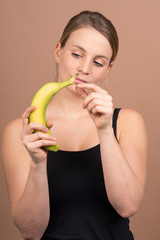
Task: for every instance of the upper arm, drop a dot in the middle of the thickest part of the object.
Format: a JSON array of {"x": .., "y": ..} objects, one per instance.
[
  {"x": 133, "y": 141},
  {"x": 15, "y": 160}
]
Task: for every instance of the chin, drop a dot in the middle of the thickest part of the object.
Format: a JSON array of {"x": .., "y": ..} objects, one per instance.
[{"x": 72, "y": 88}]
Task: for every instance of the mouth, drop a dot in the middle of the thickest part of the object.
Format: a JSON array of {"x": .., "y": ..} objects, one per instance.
[{"x": 79, "y": 80}]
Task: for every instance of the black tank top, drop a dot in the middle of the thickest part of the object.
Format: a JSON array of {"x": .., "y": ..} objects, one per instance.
[{"x": 79, "y": 206}]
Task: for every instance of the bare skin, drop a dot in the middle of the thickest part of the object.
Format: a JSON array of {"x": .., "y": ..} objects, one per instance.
[{"x": 86, "y": 109}]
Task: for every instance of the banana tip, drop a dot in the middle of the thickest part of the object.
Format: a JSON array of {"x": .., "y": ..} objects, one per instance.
[{"x": 74, "y": 77}]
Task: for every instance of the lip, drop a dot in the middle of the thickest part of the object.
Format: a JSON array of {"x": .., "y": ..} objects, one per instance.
[{"x": 79, "y": 80}]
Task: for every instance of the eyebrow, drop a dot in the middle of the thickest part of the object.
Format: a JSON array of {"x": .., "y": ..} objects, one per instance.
[{"x": 98, "y": 56}]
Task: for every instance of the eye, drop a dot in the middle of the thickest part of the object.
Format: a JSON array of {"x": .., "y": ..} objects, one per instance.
[
  {"x": 98, "y": 64},
  {"x": 76, "y": 55}
]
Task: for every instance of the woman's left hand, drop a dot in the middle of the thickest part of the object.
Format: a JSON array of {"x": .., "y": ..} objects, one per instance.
[{"x": 98, "y": 103}]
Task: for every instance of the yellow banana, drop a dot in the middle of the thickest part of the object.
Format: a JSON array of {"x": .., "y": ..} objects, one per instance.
[{"x": 41, "y": 100}]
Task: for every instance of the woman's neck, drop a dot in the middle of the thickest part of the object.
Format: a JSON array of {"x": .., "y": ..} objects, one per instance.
[{"x": 66, "y": 104}]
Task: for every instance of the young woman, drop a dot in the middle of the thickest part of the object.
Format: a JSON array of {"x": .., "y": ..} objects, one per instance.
[{"x": 95, "y": 182}]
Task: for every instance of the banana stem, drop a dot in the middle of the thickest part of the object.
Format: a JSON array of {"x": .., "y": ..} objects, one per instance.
[{"x": 68, "y": 82}]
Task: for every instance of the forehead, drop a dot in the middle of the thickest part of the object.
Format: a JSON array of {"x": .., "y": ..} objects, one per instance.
[{"x": 91, "y": 40}]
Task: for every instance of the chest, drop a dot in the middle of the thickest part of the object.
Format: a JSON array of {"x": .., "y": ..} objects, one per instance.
[{"x": 75, "y": 135}]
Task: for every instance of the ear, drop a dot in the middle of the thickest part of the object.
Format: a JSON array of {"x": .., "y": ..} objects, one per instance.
[
  {"x": 110, "y": 66},
  {"x": 57, "y": 52},
  {"x": 108, "y": 69}
]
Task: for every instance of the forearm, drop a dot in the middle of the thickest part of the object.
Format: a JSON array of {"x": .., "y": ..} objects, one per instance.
[
  {"x": 123, "y": 187},
  {"x": 31, "y": 212}
]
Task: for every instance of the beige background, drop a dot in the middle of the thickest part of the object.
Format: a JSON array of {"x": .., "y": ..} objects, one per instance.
[{"x": 29, "y": 32}]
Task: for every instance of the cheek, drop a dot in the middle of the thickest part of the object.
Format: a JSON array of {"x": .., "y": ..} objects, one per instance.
[
  {"x": 100, "y": 75},
  {"x": 66, "y": 68},
  {"x": 66, "y": 62},
  {"x": 63, "y": 66}
]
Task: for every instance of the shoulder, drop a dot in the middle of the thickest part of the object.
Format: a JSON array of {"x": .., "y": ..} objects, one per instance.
[
  {"x": 15, "y": 123},
  {"x": 11, "y": 138},
  {"x": 130, "y": 123},
  {"x": 12, "y": 128},
  {"x": 13, "y": 150},
  {"x": 129, "y": 116}
]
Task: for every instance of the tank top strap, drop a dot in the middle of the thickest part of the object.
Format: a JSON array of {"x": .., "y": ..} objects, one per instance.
[{"x": 114, "y": 122}]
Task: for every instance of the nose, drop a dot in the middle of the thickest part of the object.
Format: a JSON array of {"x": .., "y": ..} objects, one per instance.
[{"x": 84, "y": 66}]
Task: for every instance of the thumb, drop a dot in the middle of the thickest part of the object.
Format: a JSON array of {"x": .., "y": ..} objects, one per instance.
[
  {"x": 81, "y": 92},
  {"x": 49, "y": 124}
]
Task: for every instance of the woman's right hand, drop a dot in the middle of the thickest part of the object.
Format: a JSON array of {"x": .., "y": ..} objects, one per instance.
[{"x": 34, "y": 141}]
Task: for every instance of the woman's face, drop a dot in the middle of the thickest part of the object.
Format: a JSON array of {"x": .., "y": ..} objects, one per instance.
[{"x": 86, "y": 52}]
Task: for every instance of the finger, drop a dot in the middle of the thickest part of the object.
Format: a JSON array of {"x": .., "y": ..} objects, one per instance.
[
  {"x": 81, "y": 92},
  {"x": 38, "y": 127},
  {"x": 49, "y": 124},
  {"x": 32, "y": 127},
  {"x": 25, "y": 115},
  {"x": 102, "y": 110},
  {"x": 38, "y": 144},
  {"x": 94, "y": 96},
  {"x": 92, "y": 87},
  {"x": 98, "y": 102},
  {"x": 39, "y": 136}
]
